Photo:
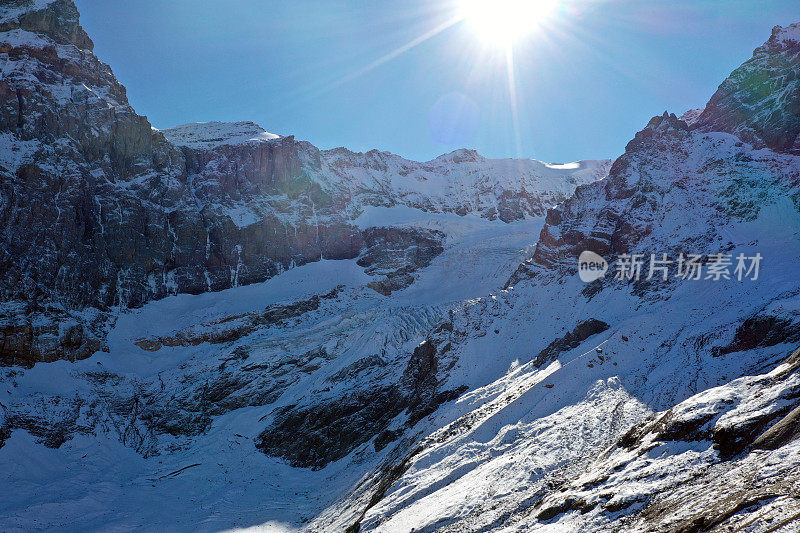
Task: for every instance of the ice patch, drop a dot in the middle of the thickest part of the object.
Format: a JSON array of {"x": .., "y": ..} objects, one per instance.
[
  {"x": 188, "y": 309},
  {"x": 563, "y": 166}
]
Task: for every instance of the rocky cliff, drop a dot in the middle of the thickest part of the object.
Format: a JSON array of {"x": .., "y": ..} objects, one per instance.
[{"x": 760, "y": 101}]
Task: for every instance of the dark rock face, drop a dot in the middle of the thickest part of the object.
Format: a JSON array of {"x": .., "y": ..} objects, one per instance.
[
  {"x": 396, "y": 253},
  {"x": 48, "y": 434},
  {"x": 783, "y": 432},
  {"x": 572, "y": 339},
  {"x": 112, "y": 215},
  {"x": 760, "y": 101},
  {"x": 761, "y": 331},
  {"x": 329, "y": 431},
  {"x": 65, "y": 337},
  {"x": 612, "y": 216}
]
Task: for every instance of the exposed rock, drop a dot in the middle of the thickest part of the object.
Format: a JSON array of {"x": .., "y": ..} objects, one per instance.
[
  {"x": 785, "y": 431},
  {"x": 313, "y": 437},
  {"x": 571, "y": 340},
  {"x": 396, "y": 253},
  {"x": 760, "y": 101},
  {"x": 29, "y": 334},
  {"x": 58, "y": 20},
  {"x": 233, "y": 328},
  {"x": 761, "y": 331}
]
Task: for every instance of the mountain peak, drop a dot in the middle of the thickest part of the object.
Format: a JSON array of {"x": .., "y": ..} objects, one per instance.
[
  {"x": 56, "y": 19},
  {"x": 760, "y": 100},
  {"x": 461, "y": 155},
  {"x": 205, "y": 135},
  {"x": 783, "y": 36}
]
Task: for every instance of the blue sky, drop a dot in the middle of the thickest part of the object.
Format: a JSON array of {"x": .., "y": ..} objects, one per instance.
[{"x": 587, "y": 78}]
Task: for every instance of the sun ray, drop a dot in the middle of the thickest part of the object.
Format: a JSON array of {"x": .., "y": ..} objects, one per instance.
[
  {"x": 393, "y": 54},
  {"x": 512, "y": 96}
]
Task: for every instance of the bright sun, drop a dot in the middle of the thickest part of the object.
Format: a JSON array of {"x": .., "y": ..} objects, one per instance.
[{"x": 502, "y": 21}]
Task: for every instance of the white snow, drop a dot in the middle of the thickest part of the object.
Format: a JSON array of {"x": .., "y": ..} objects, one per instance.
[
  {"x": 188, "y": 309},
  {"x": 243, "y": 215},
  {"x": 563, "y": 166},
  {"x": 462, "y": 181},
  {"x": 23, "y": 38},
  {"x": 458, "y": 178},
  {"x": 205, "y": 135}
]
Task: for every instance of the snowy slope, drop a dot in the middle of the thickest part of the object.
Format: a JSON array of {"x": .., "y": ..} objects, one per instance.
[
  {"x": 360, "y": 341},
  {"x": 461, "y": 182},
  {"x": 530, "y": 426}
]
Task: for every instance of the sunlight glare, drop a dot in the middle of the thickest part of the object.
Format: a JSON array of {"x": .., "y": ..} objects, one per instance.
[{"x": 502, "y": 21}]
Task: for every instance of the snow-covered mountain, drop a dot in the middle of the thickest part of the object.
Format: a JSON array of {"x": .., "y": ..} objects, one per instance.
[
  {"x": 361, "y": 342},
  {"x": 101, "y": 212}
]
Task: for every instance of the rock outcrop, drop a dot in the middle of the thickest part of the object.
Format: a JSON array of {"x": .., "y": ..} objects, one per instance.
[{"x": 760, "y": 101}]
